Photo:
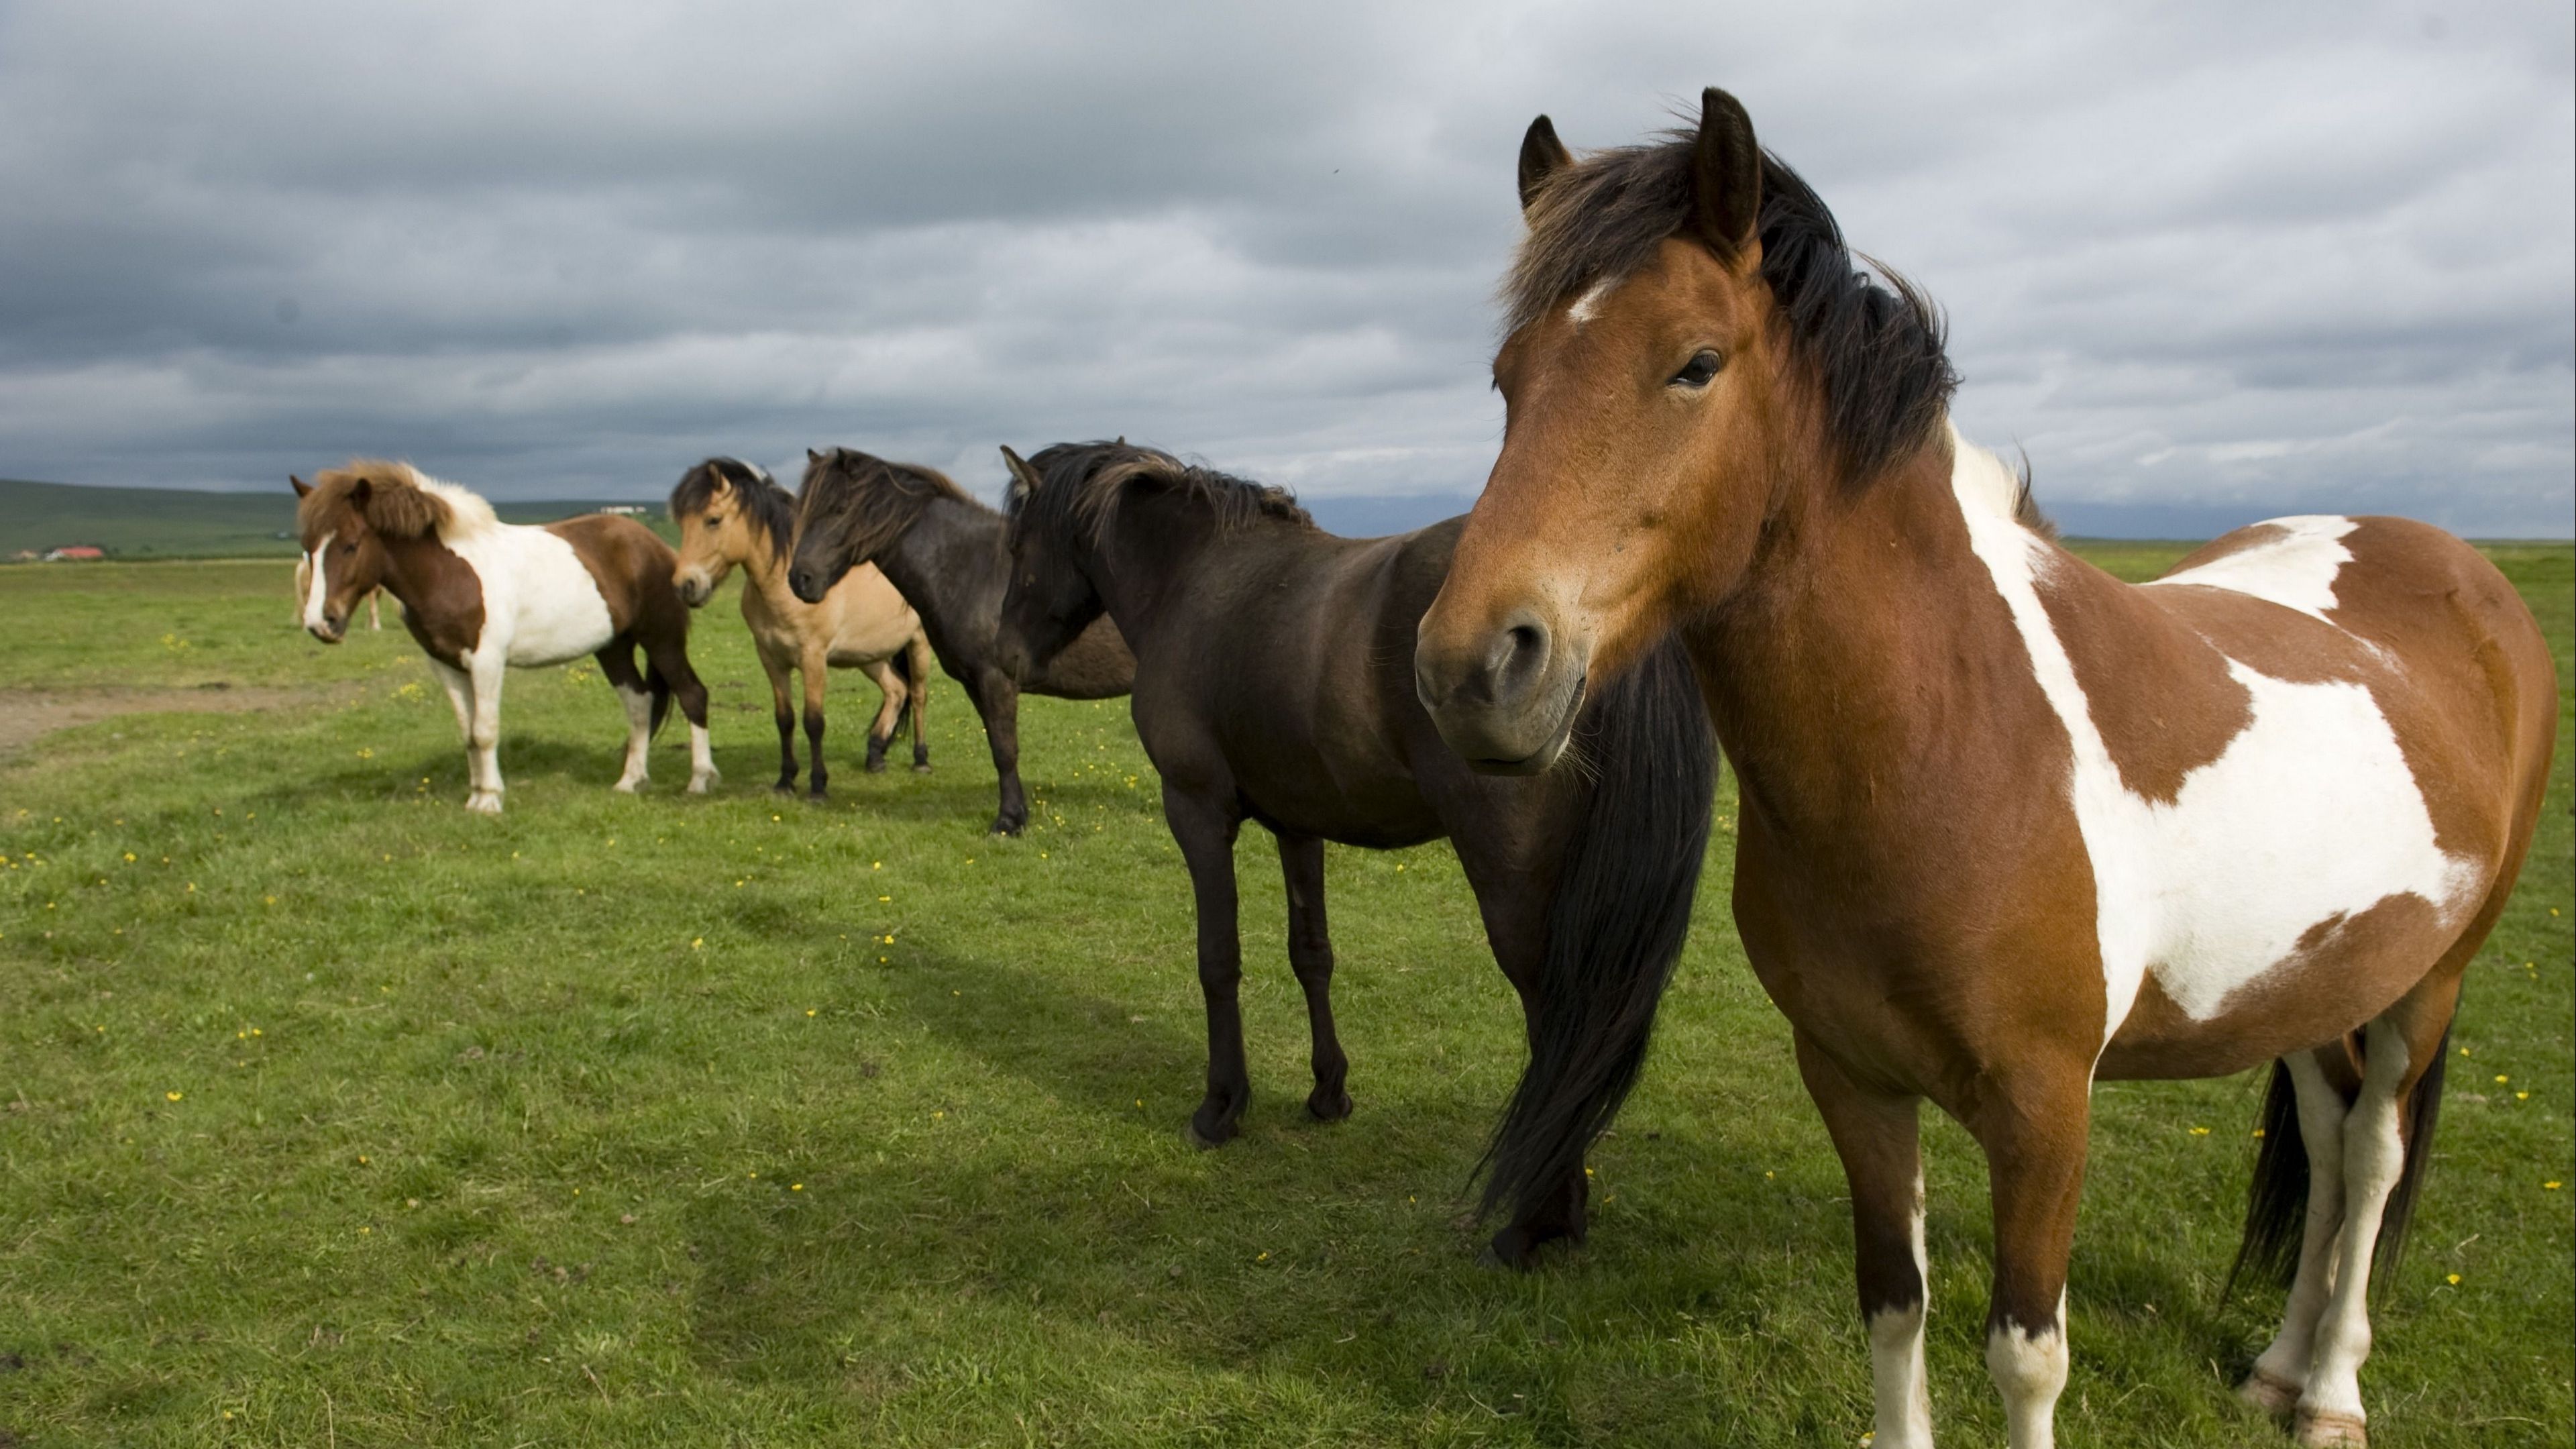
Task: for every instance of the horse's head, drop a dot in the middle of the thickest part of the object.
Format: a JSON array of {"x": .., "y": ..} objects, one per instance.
[
  {"x": 717, "y": 505},
  {"x": 851, "y": 508},
  {"x": 344, "y": 517},
  {"x": 1051, "y": 599},
  {"x": 1640, "y": 380}
]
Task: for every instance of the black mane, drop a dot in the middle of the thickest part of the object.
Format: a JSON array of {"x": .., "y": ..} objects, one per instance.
[
  {"x": 1079, "y": 485},
  {"x": 1878, "y": 352},
  {"x": 867, "y": 501},
  {"x": 770, "y": 508}
]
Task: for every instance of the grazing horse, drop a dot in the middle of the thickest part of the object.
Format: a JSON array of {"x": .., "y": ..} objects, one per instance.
[
  {"x": 731, "y": 513},
  {"x": 481, "y": 596},
  {"x": 944, "y": 550},
  {"x": 2009, "y": 826},
  {"x": 1274, "y": 681}
]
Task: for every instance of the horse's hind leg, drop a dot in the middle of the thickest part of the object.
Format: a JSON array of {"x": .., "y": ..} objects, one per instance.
[
  {"x": 2324, "y": 1096},
  {"x": 1205, "y": 833},
  {"x": 668, "y": 652},
  {"x": 1310, "y": 954},
  {"x": 617, "y": 661},
  {"x": 2399, "y": 1049},
  {"x": 890, "y": 702},
  {"x": 917, "y": 700},
  {"x": 1879, "y": 1138}
]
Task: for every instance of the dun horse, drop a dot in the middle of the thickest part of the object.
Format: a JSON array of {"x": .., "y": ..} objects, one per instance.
[
  {"x": 1274, "y": 682},
  {"x": 481, "y": 596},
  {"x": 944, "y": 550},
  {"x": 2009, "y": 826},
  {"x": 732, "y": 513}
]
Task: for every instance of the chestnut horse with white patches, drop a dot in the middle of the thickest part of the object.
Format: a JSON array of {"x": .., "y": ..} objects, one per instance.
[
  {"x": 731, "y": 512},
  {"x": 304, "y": 589},
  {"x": 2009, "y": 826},
  {"x": 482, "y": 596}
]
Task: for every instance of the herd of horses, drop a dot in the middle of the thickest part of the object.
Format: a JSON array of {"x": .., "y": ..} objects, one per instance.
[{"x": 2008, "y": 826}]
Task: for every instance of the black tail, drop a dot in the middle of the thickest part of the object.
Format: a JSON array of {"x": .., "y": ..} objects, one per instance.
[
  {"x": 911, "y": 713},
  {"x": 2276, "y": 1206},
  {"x": 660, "y": 688},
  {"x": 1621, "y": 913}
]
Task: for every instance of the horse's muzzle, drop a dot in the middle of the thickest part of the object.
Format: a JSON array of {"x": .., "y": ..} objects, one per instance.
[
  {"x": 1506, "y": 701},
  {"x": 332, "y": 629}
]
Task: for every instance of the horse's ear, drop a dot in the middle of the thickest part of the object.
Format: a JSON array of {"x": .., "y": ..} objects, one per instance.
[
  {"x": 1726, "y": 174},
  {"x": 813, "y": 457},
  {"x": 359, "y": 493},
  {"x": 1024, "y": 479},
  {"x": 1542, "y": 156},
  {"x": 302, "y": 488}
]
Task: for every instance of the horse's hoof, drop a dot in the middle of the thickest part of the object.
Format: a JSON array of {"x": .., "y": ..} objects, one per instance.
[
  {"x": 2330, "y": 1429},
  {"x": 921, "y": 767},
  {"x": 1205, "y": 1142},
  {"x": 2269, "y": 1392},
  {"x": 484, "y": 804},
  {"x": 1005, "y": 827},
  {"x": 702, "y": 784},
  {"x": 1328, "y": 1109},
  {"x": 817, "y": 797},
  {"x": 627, "y": 787},
  {"x": 784, "y": 787},
  {"x": 875, "y": 767}
]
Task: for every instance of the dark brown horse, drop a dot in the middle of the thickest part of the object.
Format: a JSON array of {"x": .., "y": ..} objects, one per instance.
[
  {"x": 2009, "y": 826},
  {"x": 944, "y": 551},
  {"x": 1274, "y": 682},
  {"x": 481, "y": 596}
]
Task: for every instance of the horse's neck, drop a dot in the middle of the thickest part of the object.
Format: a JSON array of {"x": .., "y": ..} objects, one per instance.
[
  {"x": 1151, "y": 539},
  {"x": 944, "y": 563},
  {"x": 1856, "y": 666},
  {"x": 766, "y": 571}
]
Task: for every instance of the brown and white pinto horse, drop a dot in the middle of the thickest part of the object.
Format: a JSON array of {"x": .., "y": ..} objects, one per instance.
[
  {"x": 2008, "y": 825},
  {"x": 481, "y": 596},
  {"x": 731, "y": 512}
]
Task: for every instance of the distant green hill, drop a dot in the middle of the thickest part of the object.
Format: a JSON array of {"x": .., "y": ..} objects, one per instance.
[{"x": 143, "y": 523}]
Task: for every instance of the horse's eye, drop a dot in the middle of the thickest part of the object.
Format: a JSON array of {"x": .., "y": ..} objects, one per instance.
[{"x": 1696, "y": 372}]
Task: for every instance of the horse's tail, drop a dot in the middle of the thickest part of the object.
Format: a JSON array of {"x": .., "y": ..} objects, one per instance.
[
  {"x": 2276, "y": 1205},
  {"x": 658, "y": 685},
  {"x": 1616, "y": 927}
]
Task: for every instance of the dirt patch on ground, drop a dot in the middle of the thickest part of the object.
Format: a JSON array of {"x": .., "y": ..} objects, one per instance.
[{"x": 27, "y": 715}]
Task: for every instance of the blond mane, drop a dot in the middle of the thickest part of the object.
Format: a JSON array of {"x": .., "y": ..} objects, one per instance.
[{"x": 398, "y": 501}]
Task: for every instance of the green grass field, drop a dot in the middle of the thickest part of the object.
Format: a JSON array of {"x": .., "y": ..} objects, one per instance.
[{"x": 330, "y": 1114}]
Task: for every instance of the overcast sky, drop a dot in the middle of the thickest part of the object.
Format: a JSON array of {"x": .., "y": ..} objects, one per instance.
[{"x": 2202, "y": 261}]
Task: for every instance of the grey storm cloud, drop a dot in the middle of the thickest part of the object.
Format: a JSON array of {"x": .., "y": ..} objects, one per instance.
[{"x": 2202, "y": 262}]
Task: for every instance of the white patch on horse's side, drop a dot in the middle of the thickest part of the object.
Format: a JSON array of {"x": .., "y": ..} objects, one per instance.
[
  {"x": 2295, "y": 568},
  {"x": 316, "y": 590},
  {"x": 540, "y": 604},
  {"x": 1589, "y": 304},
  {"x": 2310, "y": 813}
]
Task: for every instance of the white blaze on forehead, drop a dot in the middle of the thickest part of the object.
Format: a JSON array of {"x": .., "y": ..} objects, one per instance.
[
  {"x": 1589, "y": 304},
  {"x": 316, "y": 591},
  {"x": 2295, "y": 568},
  {"x": 2310, "y": 814}
]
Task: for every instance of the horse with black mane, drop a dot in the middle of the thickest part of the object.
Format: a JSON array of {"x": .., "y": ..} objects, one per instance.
[
  {"x": 1274, "y": 682},
  {"x": 733, "y": 513},
  {"x": 943, "y": 549},
  {"x": 2009, "y": 826},
  {"x": 482, "y": 597}
]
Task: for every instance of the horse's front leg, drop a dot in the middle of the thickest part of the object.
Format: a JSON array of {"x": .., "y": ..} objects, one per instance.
[
  {"x": 2032, "y": 1124},
  {"x": 817, "y": 670},
  {"x": 1205, "y": 830},
  {"x": 1878, "y": 1136},
  {"x": 483, "y": 735},
  {"x": 997, "y": 699},
  {"x": 1310, "y": 954},
  {"x": 782, "y": 708},
  {"x": 617, "y": 661}
]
